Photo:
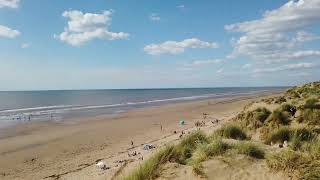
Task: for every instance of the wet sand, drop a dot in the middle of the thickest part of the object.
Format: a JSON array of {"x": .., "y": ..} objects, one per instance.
[{"x": 70, "y": 150}]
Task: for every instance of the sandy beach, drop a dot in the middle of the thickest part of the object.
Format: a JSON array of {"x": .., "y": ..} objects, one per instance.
[{"x": 70, "y": 150}]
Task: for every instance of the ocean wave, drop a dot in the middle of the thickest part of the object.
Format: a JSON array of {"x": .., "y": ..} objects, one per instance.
[{"x": 56, "y": 109}]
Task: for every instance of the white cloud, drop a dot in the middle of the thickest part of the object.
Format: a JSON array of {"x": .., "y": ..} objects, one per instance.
[
  {"x": 25, "y": 45},
  {"x": 206, "y": 62},
  {"x": 181, "y": 6},
  {"x": 154, "y": 17},
  {"x": 303, "y": 74},
  {"x": 203, "y": 62},
  {"x": 8, "y": 32},
  {"x": 9, "y": 3},
  {"x": 287, "y": 67},
  {"x": 246, "y": 66},
  {"x": 185, "y": 69},
  {"x": 303, "y": 36},
  {"x": 278, "y": 33},
  {"x": 174, "y": 47},
  {"x": 220, "y": 70},
  {"x": 83, "y": 27}
]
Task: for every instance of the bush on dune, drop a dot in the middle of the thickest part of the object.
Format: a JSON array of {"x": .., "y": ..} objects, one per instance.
[
  {"x": 250, "y": 149},
  {"x": 230, "y": 131},
  {"x": 278, "y": 117},
  {"x": 287, "y": 161},
  {"x": 254, "y": 119},
  {"x": 310, "y": 116},
  {"x": 188, "y": 145},
  {"x": 261, "y": 114},
  {"x": 301, "y": 165},
  {"x": 279, "y": 135},
  {"x": 286, "y": 107},
  {"x": 204, "y": 151},
  {"x": 285, "y": 133},
  {"x": 299, "y": 136},
  {"x": 292, "y": 94},
  {"x": 312, "y": 103},
  {"x": 280, "y": 100},
  {"x": 150, "y": 168}
]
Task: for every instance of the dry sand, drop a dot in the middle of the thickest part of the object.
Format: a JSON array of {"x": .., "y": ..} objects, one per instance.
[{"x": 71, "y": 150}]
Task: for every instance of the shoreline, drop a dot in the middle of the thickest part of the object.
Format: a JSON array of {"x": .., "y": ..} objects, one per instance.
[
  {"x": 40, "y": 150},
  {"x": 6, "y": 131},
  {"x": 69, "y": 113}
]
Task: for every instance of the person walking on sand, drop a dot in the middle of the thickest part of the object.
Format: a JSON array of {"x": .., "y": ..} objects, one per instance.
[{"x": 131, "y": 143}]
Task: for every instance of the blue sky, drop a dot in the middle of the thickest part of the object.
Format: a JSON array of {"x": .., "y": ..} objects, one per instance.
[{"x": 79, "y": 44}]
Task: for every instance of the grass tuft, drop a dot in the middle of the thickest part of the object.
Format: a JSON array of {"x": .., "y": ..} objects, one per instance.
[
  {"x": 188, "y": 145},
  {"x": 310, "y": 116},
  {"x": 279, "y": 135},
  {"x": 150, "y": 168},
  {"x": 254, "y": 119},
  {"x": 312, "y": 103},
  {"x": 301, "y": 165},
  {"x": 278, "y": 117},
  {"x": 204, "y": 151},
  {"x": 250, "y": 149},
  {"x": 286, "y": 107},
  {"x": 231, "y": 131}
]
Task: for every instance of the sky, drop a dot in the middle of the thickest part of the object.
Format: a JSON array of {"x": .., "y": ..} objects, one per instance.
[{"x": 111, "y": 44}]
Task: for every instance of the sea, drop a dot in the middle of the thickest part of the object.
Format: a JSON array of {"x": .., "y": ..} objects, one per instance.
[{"x": 62, "y": 105}]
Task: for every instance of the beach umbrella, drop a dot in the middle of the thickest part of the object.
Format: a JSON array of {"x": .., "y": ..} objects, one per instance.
[{"x": 181, "y": 122}]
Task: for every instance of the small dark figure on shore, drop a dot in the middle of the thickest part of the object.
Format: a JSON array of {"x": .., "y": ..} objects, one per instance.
[{"x": 131, "y": 143}]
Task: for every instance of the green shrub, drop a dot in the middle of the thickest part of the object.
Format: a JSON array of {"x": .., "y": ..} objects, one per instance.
[
  {"x": 279, "y": 135},
  {"x": 253, "y": 119},
  {"x": 301, "y": 165},
  {"x": 304, "y": 134},
  {"x": 286, "y": 161},
  {"x": 150, "y": 168},
  {"x": 204, "y": 151},
  {"x": 200, "y": 154},
  {"x": 310, "y": 116},
  {"x": 231, "y": 131},
  {"x": 313, "y": 147},
  {"x": 280, "y": 100},
  {"x": 188, "y": 145},
  {"x": 300, "y": 136},
  {"x": 312, "y": 104},
  {"x": 286, "y": 107},
  {"x": 217, "y": 147},
  {"x": 296, "y": 136},
  {"x": 291, "y": 93},
  {"x": 261, "y": 114},
  {"x": 197, "y": 168},
  {"x": 250, "y": 149},
  {"x": 278, "y": 118},
  {"x": 268, "y": 100}
]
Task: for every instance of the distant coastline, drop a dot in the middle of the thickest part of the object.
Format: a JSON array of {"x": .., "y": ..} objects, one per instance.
[{"x": 34, "y": 106}]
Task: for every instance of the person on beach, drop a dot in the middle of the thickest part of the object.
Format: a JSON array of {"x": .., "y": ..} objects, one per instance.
[
  {"x": 131, "y": 143},
  {"x": 293, "y": 111}
]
